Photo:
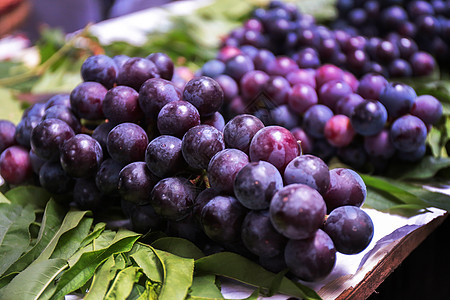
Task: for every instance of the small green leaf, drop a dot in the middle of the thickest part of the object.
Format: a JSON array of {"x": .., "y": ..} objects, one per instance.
[
  {"x": 138, "y": 292},
  {"x": 71, "y": 240},
  {"x": 147, "y": 260},
  {"x": 32, "y": 282},
  {"x": 3, "y": 199},
  {"x": 29, "y": 194},
  {"x": 426, "y": 168},
  {"x": 14, "y": 234},
  {"x": 101, "y": 242},
  {"x": 123, "y": 284},
  {"x": 85, "y": 267},
  {"x": 205, "y": 286},
  {"x": 178, "y": 273},
  {"x": 98, "y": 229},
  {"x": 101, "y": 280},
  {"x": 234, "y": 266},
  {"x": 178, "y": 246}
]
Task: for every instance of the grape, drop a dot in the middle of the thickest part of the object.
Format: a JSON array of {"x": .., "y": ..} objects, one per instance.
[
  {"x": 200, "y": 144},
  {"x": 369, "y": 117},
  {"x": 302, "y": 76},
  {"x": 238, "y": 65},
  {"x": 223, "y": 167},
  {"x": 301, "y": 97},
  {"x": 422, "y": 63},
  {"x": 283, "y": 116},
  {"x": 252, "y": 84},
  {"x": 408, "y": 133},
  {"x": 36, "y": 161},
  {"x": 262, "y": 59},
  {"x": 407, "y": 47},
  {"x": 120, "y": 61},
  {"x": 100, "y": 68},
  {"x": 121, "y": 105},
  {"x": 201, "y": 200},
  {"x": 277, "y": 90},
  {"x": 311, "y": 259},
  {"x": 54, "y": 179},
  {"x": 227, "y": 52},
  {"x": 304, "y": 141},
  {"x": 173, "y": 198},
  {"x": 24, "y": 129},
  {"x": 281, "y": 66},
  {"x": 177, "y": 117},
  {"x": 81, "y": 156},
  {"x": 15, "y": 165},
  {"x": 399, "y": 68},
  {"x": 107, "y": 177},
  {"x": 347, "y": 104},
  {"x": 398, "y": 99},
  {"x": 187, "y": 229},
  {"x": 229, "y": 87},
  {"x": 7, "y": 132},
  {"x": 135, "y": 71},
  {"x": 205, "y": 94},
  {"x": 371, "y": 85},
  {"x": 346, "y": 188},
  {"x": 350, "y": 228},
  {"x": 155, "y": 93},
  {"x": 379, "y": 145},
  {"x": 315, "y": 118},
  {"x": 309, "y": 170},
  {"x": 163, "y": 156},
  {"x": 275, "y": 145},
  {"x": 216, "y": 120},
  {"x": 163, "y": 63},
  {"x": 259, "y": 236},
  {"x": 36, "y": 110},
  {"x": 239, "y": 131},
  {"x": 275, "y": 264},
  {"x": 427, "y": 108},
  {"x": 353, "y": 155},
  {"x": 59, "y": 99},
  {"x": 136, "y": 183},
  {"x": 86, "y": 194},
  {"x": 339, "y": 131},
  {"x": 100, "y": 134},
  {"x": 48, "y": 136},
  {"x": 127, "y": 143},
  {"x": 297, "y": 211},
  {"x": 213, "y": 68},
  {"x": 144, "y": 218},
  {"x": 65, "y": 114},
  {"x": 412, "y": 156},
  {"x": 86, "y": 100},
  {"x": 327, "y": 73},
  {"x": 222, "y": 218}
]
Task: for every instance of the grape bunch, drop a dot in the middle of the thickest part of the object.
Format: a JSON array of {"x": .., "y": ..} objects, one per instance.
[
  {"x": 283, "y": 30},
  {"x": 426, "y": 23},
  {"x": 128, "y": 135}
]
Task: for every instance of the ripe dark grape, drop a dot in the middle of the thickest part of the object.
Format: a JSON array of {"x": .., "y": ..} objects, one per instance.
[
  {"x": 379, "y": 145},
  {"x": 238, "y": 65},
  {"x": 121, "y": 105},
  {"x": 36, "y": 110},
  {"x": 275, "y": 145},
  {"x": 252, "y": 84},
  {"x": 262, "y": 59},
  {"x": 7, "y": 132},
  {"x": 107, "y": 177},
  {"x": 371, "y": 85},
  {"x": 399, "y": 68},
  {"x": 347, "y": 104},
  {"x": 327, "y": 73},
  {"x": 86, "y": 194},
  {"x": 346, "y": 188},
  {"x": 127, "y": 143},
  {"x": 86, "y": 100},
  {"x": 309, "y": 170},
  {"x": 412, "y": 156},
  {"x": 100, "y": 68},
  {"x": 155, "y": 93},
  {"x": 216, "y": 120},
  {"x": 24, "y": 129},
  {"x": 222, "y": 218},
  {"x": 304, "y": 141},
  {"x": 81, "y": 156},
  {"x": 163, "y": 156},
  {"x": 311, "y": 259},
  {"x": 302, "y": 76},
  {"x": 48, "y": 136},
  {"x": 229, "y": 87},
  {"x": 213, "y": 68},
  {"x": 36, "y": 162},
  {"x": 223, "y": 167},
  {"x": 65, "y": 114},
  {"x": 177, "y": 117},
  {"x": 54, "y": 179},
  {"x": 277, "y": 89},
  {"x": 339, "y": 131},
  {"x": 308, "y": 58},
  {"x": 350, "y": 228},
  {"x": 283, "y": 116},
  {"x": 315, "y": 118},
  {"x": 239, "y": 131},
  {"x": 408, "y": 133},
  {"x": 173, "y": 198},
  {"x": 297, "y": 211},
  {"x": 422, "y": 63},
  {"x": 59, "y": 99},
  {"x": 15, "y": 165},
  {"x": 398, "y": 99},
  {"x": 135, "y": 71},
  {"x": 427, "y": 108},
  {"x": 256, "y": 183},
  {"x": 201, "y": 200},
  {"x": 205, "y": 94},
  {"x": 259, "y": 236},
  {"x": 100, "y": 133},
  {"x": 301, "y": 97},
  {"x": 144, "y": 218},
  {"x": 136, "y": 183},
  {"x": 200, "y": 144},
  {"x": 163, "y": 63},
  {"x": 369, "y": 117},
  {"x": 281, "y": 66}
]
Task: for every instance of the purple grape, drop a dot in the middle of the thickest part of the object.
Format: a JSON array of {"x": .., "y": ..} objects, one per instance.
[
  {"x": 15, "y": 165},
  {"x": 163, "y": 63},
  {"x": 135, "y": 71},
  {"x": 202, "y": 199},
  {"x": 283, "y": 116},
  {"x": 155, "y": 93},
  {"x": 100, "y": 68},
  {"x": 86, "y": 100},
  {"x": 408, "y": 133},
  {"x": 36, "y": 110},
  {"x": 379, "y": 145},
  {"x": 100, "y": 134},
  {"x": 205, "y": 94},
  {"x": 262, "y": 59},
  {"x": 315, "y": 118},
  {"x": 216, "y": 120},
  {"x": 304, "y": 141},
  {"x": 399, "y": 68},
  {"x": 213, "y": 68},
  {"x": 281, "y": 66},
  {"x": 81, "y": 156},
  {"x": 423, "y": 64},
  {"x": 144, "y": 218},
  {"x": 350, "y": 228},
  {"x": 36, "y": 162},
  {"x": 163, "y": 156},
  {"x": 412, "y": 156},
  {"x": 309, "y": 170},
  {"x": 86, "y": 194},
  {"x": 427, "y": 108},
  {"x": 121, "y": 105},
  {"x": 173, "y": 198},
  {"x": 407, "y": 47},
  {"x": 371, "y": 85},
  {"x": 331, "y": 91},
  {"x": 386, "y": 51},
  {"x": 311, "y": 259},
  {"x": 240, "y": 130},
  {"x": 346, "y": 105},
  {"x": 200, "y": 144},
  {"x": 229, "y": 87},
  {"x": 24, "y": 128},
  {"x": 369, "y": 117},
  {"x": 302, "y": 76},
  {"x": 48, "y": 136},
  {"x": 107, "y": 177},
  {"x": 238, "y": 65},
  {"x": 127, "y": 142},
  {"x": 277, "y": 89},
  {"x": 177, "y": 117},
  {"x": 7, "y": 132},
  {"x": 54, "y": 179},
  {"x": 252, "y": 84},
  {"x": 297, "y": 211},
  {"x": 65, "y": 114},
  {"x": 59, "y": 99},
  {"x": 259, "y": 236},
  {"x": 346, "y": 188},
  {"x": 136, "y": 183},
  {"x": 275, "y": 145},
  {"x": 327, "y": 73},
  {"x": 301, "y": 97}
]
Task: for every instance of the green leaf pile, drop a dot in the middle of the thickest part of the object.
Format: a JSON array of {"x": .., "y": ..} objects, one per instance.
[{"x": 68, "y": 254}]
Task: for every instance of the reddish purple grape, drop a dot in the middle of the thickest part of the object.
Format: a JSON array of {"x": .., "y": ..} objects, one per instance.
[
  {"x": 7, "y": 132},
  {"x": 163, "y": 63},
  {"x": 347, "y": 104},
  {"x": 339, "y": 131},
  {"x": 163, "y": 156},
  {"x": 239, "y": 131},
  {"x": 15, "y": 165},
  {"x": 65, "y": 114},
  {"x": 379, "y": 145},
  {"x": 371, "y": 85},
  {"x": 177, "y": 117},
  {"x": 86, "y": 100},
  {"x": 155, "y": 93},
  {"x": 327, "y": 73},
  {"x": 100, "y": 68},
  {"x": 216, "y": 120},
  {"x": 427, "y": 108},
  {"x": 205, "y": 94},
  {"x": 305, "y": 142},
  {"x": 301, "y": 97},
  {"x": 135, "y": 71},
  {"x": 302, "y": 76},
  {"x": 252, "y": 84},
  {"x": 127, "y": 142},
  {"x": 277, "y": 89},
  {"x": 121, "y": 105},
  {"x": 136, "y": 183}
]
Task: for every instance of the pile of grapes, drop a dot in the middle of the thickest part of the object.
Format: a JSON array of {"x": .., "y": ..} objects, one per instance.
[
  {"x": 425, "y": 22},
  {"x": 283, "y": 30}
]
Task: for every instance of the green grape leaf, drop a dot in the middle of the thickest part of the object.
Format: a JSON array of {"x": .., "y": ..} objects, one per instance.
[
  {"x": 100, "y": 282},
  {"x": 205, "y": 286},
  {"x": 148, "y": 261},
  {"x": 178, "y": 246},
  {"x": 123, "y": 284},
  {"x": 71, "y": 241}
]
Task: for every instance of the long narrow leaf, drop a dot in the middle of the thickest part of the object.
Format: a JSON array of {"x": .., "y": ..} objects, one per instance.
[
  {"x": 71, "y": 240},
  {"x": 123, "y": 284},
  {"x": 101, "y": 280},
  {"x": 146, "y": 259}
]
